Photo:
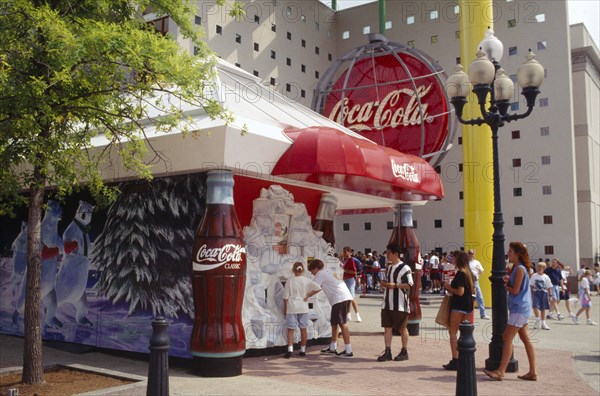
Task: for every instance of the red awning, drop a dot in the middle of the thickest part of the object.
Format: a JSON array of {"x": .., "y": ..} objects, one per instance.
[{"x": 331, "y": 157}]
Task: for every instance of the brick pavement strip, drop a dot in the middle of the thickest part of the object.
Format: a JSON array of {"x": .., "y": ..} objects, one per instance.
[{"x": 568, "y": 359}]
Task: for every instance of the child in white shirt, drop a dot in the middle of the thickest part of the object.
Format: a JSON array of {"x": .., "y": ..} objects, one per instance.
[
  {"x": 541, "y": 292},
  {"x": 585, "y": 297},
  {"x": 298, "y": 289}
]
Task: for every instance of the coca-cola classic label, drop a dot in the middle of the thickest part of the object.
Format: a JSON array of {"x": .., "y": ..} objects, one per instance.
[{"x": 229, "y": 256}]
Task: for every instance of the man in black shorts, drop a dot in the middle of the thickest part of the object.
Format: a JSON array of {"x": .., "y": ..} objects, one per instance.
[{"x": 395, "y": 305}]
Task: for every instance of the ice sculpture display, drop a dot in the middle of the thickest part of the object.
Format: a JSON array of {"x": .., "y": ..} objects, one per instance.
[{"x": 280, "y": 233}]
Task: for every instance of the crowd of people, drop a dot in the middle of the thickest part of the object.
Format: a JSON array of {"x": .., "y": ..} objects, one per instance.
[{"x": 457, "y": 274}]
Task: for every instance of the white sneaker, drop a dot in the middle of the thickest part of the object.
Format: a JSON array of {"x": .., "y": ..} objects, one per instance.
[
  {"x": 560, "y": 317},
  {"x": 358, "y": 318},
  {"x": 571, "y": 315},
  {"x": 545, "y": 326},
  {"x": 551, "y": 316},
  {"x": 348, "y": 318},
  {"x": 591, "y": 322},
  {"x": 536, "y": 325},
  {"x": 575, "y": 320}
]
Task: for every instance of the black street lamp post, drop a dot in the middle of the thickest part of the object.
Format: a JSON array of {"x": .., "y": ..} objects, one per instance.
[{"x": 489, "y": 80}]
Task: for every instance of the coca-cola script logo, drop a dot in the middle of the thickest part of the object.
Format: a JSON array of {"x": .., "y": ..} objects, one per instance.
[
  {"x": 229, "y": 255},
  {"x": 405, "y": 172},
  {"x": 404, "y": 109}
]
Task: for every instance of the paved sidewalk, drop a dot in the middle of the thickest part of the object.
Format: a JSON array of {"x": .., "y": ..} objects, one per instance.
[{"x": 568, "y": 359}]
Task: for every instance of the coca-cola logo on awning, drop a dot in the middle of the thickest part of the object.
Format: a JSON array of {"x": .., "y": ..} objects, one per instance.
[
  {"x": 391, "y": 103},
  {"x": 229, "y": 256}
]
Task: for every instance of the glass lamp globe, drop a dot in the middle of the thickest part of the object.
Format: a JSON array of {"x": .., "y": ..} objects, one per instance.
[
  {"x": 504, "y": 88},
  {"x": 492, "y": 46},
  {"x": 458, "y": 84},
  {"x": 531, "y": 72},
  {"x": 481, "y": 71}
]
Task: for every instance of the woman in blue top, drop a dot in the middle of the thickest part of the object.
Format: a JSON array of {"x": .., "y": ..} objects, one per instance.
[{"x": 519, "y": 305}]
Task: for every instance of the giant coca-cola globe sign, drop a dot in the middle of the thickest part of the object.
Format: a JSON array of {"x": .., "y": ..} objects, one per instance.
[{"x": 390, "y": 94}]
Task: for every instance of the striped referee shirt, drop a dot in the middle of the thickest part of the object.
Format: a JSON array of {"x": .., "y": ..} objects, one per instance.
[{"x": 397, "y": 299}]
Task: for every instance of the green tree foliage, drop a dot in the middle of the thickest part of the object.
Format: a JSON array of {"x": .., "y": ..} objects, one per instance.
[{"x": 75, "y": 73}]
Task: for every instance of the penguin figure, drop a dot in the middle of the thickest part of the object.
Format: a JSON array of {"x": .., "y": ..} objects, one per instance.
[{"x": 72, "y": 276}]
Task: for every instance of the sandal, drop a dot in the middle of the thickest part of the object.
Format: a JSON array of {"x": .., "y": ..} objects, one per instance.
[
  {"x": 528, "y": 377},
  {"x": 495, "y": 375}
]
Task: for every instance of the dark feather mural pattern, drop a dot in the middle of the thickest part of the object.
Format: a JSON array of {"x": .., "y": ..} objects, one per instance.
[{"x": 144, "y": 251}]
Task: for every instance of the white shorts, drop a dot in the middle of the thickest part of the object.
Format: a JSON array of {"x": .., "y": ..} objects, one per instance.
[{"x": 517, "y": 320}]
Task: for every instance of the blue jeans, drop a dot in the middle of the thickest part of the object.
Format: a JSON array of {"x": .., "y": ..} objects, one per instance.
[{"x": 479, "y": 299}]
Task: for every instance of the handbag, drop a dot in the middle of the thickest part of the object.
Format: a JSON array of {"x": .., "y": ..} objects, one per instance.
[{"x": 443, "y": 316}]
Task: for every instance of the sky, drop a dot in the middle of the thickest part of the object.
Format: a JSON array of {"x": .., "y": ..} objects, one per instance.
[{"x": 586, "y": 11}]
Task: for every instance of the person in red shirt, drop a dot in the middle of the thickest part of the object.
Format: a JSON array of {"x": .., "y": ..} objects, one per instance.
[{"x": 350, "y": 272}]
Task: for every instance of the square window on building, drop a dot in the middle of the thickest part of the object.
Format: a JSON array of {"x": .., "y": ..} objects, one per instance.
[
  {"x": 545, "y": 160},
  {"x": 457, "y": 60},
  {"x": 461, "y": 195},
  {"x": 512, "y": 23},
  {"x": 518, "y": 220},
  {"x": 329, "y": 57},
  {"x": 516, "y": 134},
  {"x": 410, "y": 19},
  {"x": 289, "y": 11},
  {"x": 545, "y": 131},
  {"x": 273, "y": 54},
  {"x": 434, "y": 39},
  {"x": 388, "y": 25},
  {"x": 514, "y": 106},
  {"x": 256, "y": 47},
  {"x": 303, "y": 93},
  {"x": 255, "y": 72},
  {"x": 219, "y": 29},
  {"x": 238, "y": 38},
  {"x": 543, "y": 102},
  {"x": 516, "y": 162},
  {"x": 460, "y": 167},
  {"x": 197, "y": 20},
  {"x": 346, "y": 226},
  {"x": 303, "y": 18},
  {"x": 437, "y": 223},
  {"x": 316, "y": 74},
  {"x": 288, "y": 61},
  {"x": 456, "y": 9},
  {"x": 512, "y": 51},
  {"x": 195, "y": 50},
  {"x": 317, "y": 27},
  {"x": 289, "y": 35},
  {"x": 366, "y": 29},
  {"x": 457, "y": 34},
  {"x": 415, "y": 224},
  {"x": 461, "y": 223},
  {"x": 256, "y": 19},
  {"x": 410, "y": 43},
  {"x": 548, "y": 219},
  {"x": 346, "y": 35},
  {"x": 389, "y": 225},
  {"x": 459, "y": 140},
  {"x": 539, "y": 18},
  {"x": 303, "y": 68},
  {"x": 367, "y": 226},
  {"x": 549, "y": 250},
  {"x": 317, "y": 50},
  {"x": 288, "y": 87},
  {"x": 303, "y": 43},
  {"x": 517, "y": 192},
  {"x": 273, "y": 27},
  {"x": 273, "y": 81},
  {"x": 433, "y": 15},
  {"x": 546, "y": 190},
  {"x": 542, "y": 45}
]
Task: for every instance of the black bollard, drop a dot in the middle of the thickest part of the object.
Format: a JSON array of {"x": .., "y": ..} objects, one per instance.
[
  {"x": 466, "y": 381},
  {"x": 158, "y": 370}
]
